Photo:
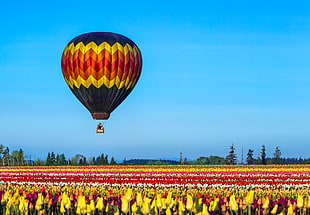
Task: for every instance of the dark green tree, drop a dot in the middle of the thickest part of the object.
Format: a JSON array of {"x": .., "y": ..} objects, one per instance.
[
  {"x": 231, "y": 158},
  {"x": 277, "y": 156},
  {"x": 112, "y": 162},
  {"x": 106, "y": 160},
  {"x": 125, "y": 161},
  {"x": 53, "y": 158},
  {"x": 6, "y": 156},
  {"x": 78, "y": 159},
  {"x": 61, "y": 159},
  {"x": 263, "y": 155},
  {"x": 82, "y": 161},
  {"x": 216, "y": 160},
  {"x": 203, "y": 161},
  {"x": 21, "y": 157},
  {"x": 102, "y": 160},
  {"x": 48, "y": 160},
  {"x": 92, "y": 161},
  {"x": 1, "y": 153},
  {"x": 250, "y": 159}
]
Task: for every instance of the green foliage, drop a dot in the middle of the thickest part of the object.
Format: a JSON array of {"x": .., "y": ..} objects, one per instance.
[
  {"x": 231, "y": 158},
  {"x": 250, "y": 159},
  {"x": 17, "y": 157},
  {"x": 211, "y": 160},
  {"x": 263, "y": 155}
]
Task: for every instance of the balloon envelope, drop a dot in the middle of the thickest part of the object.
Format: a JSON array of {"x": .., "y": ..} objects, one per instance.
[{"x": 101, "y": 69}]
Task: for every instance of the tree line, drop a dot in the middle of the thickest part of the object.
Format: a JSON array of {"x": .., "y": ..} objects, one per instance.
[
  {"x": 18, "y": 158},
  {"x": 262, "y": 159}
]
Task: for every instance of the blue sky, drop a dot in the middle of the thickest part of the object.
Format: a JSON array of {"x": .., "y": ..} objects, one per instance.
[{"x": 214, "y": 73}]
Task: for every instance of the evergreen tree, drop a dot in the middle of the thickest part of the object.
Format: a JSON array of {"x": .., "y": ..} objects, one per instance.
[
  {"x": 1, "y": 153},
  {"x": 57, "y": 160},
  {"x": 6, "y": 156},
  {"x": 231, "y": 157},
  {"x": 48, "y": 159},
  {"x": 106, "y": 160},
  {"x": 21, "y": 157},
  {"x": 82, "y": 161},
  {"x": 125, "y": 161},
  {"x": 277, "y": 156},
  {"x": 113, "y": 162},
  {"x": 101, "y": 159},
  {"x": 263, "y": 155},
  {"x": 92, "y": 161},
  {"x": 250, "y": 159},
  {"x": 185, "y": 161},
  {"x": 61, "y": 159},
  {"x": 53, "y": 158}
]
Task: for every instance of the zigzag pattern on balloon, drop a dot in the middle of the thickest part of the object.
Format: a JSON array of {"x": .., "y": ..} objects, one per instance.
[{"x": 104, "y": 64}]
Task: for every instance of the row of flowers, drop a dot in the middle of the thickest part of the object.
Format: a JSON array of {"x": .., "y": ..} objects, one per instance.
[
  {"x": 178, "y": 190},
  {"x": 117, "y": 199},
  {"x": 194, "y": 175}
]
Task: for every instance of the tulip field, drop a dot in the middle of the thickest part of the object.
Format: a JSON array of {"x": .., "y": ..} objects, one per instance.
[{"x": 156, "y": 189}]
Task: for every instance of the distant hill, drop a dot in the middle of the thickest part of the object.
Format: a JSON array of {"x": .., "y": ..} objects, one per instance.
[{"x": 150, "y": 161}]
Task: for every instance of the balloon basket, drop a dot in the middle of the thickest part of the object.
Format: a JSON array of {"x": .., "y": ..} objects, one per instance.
[{"x": 99, "y": 131}]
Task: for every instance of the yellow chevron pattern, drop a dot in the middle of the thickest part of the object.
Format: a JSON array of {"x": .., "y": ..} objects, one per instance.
[
  {"x": 102, "y": 75},
  {"x": 98, "y": 83},
  {"x": 103, "y": 46}
]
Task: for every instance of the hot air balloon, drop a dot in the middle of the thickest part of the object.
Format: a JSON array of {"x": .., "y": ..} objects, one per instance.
[{"x": 101, "y": 69}]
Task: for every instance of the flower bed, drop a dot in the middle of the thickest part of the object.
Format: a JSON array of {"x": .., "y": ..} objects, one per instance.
[{"x": 155, "y": 190}]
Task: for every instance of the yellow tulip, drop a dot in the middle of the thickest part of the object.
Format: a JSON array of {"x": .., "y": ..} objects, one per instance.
[
  {"x": 300, "y": 201},
  {"x": 21, "y": 206},
  {"x": 204, "y": 210},
  {"x": 92, "y": 205},
  {"x": 163, "y": 202},
  {"x": 39, "y": 202},
  {"x": 26, "y": 205},
  {"x": 134, "y": 208},
  {"x": 266, "y": 203},
  {"x": 81, "y": 202},
  {"x": 290, "y": 210},
  {"x": 168, "y": 211},
  {"x": 159, "y": 202},
  {"x": 128, "y": 194},
  {"x": 6, "y": 196},
  {"x": 88, "y": 210},
  {"x": 62, "y": 208},
  {"x": 68, "y": 204},
  {"x": 107, "y": 208},
  {"x": 100, "y": 204},
  {"x": 214, "y": 204},
  {"x": 274, "y": 210},
  {"x": 145, "y": 208},
  {"x": 249, "y": 198},
  {"x": 169, "y": 198},
  {"x": 232, "y": 203},
  {"x": 181, "y": 206},
  {"x": 125, "y": 205},
  {"x": 64, "y": 198},
  {"x": 78, "y": 210},
  {"x": 139, "y": 199},
  {"x": 189, "y": 202}
]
